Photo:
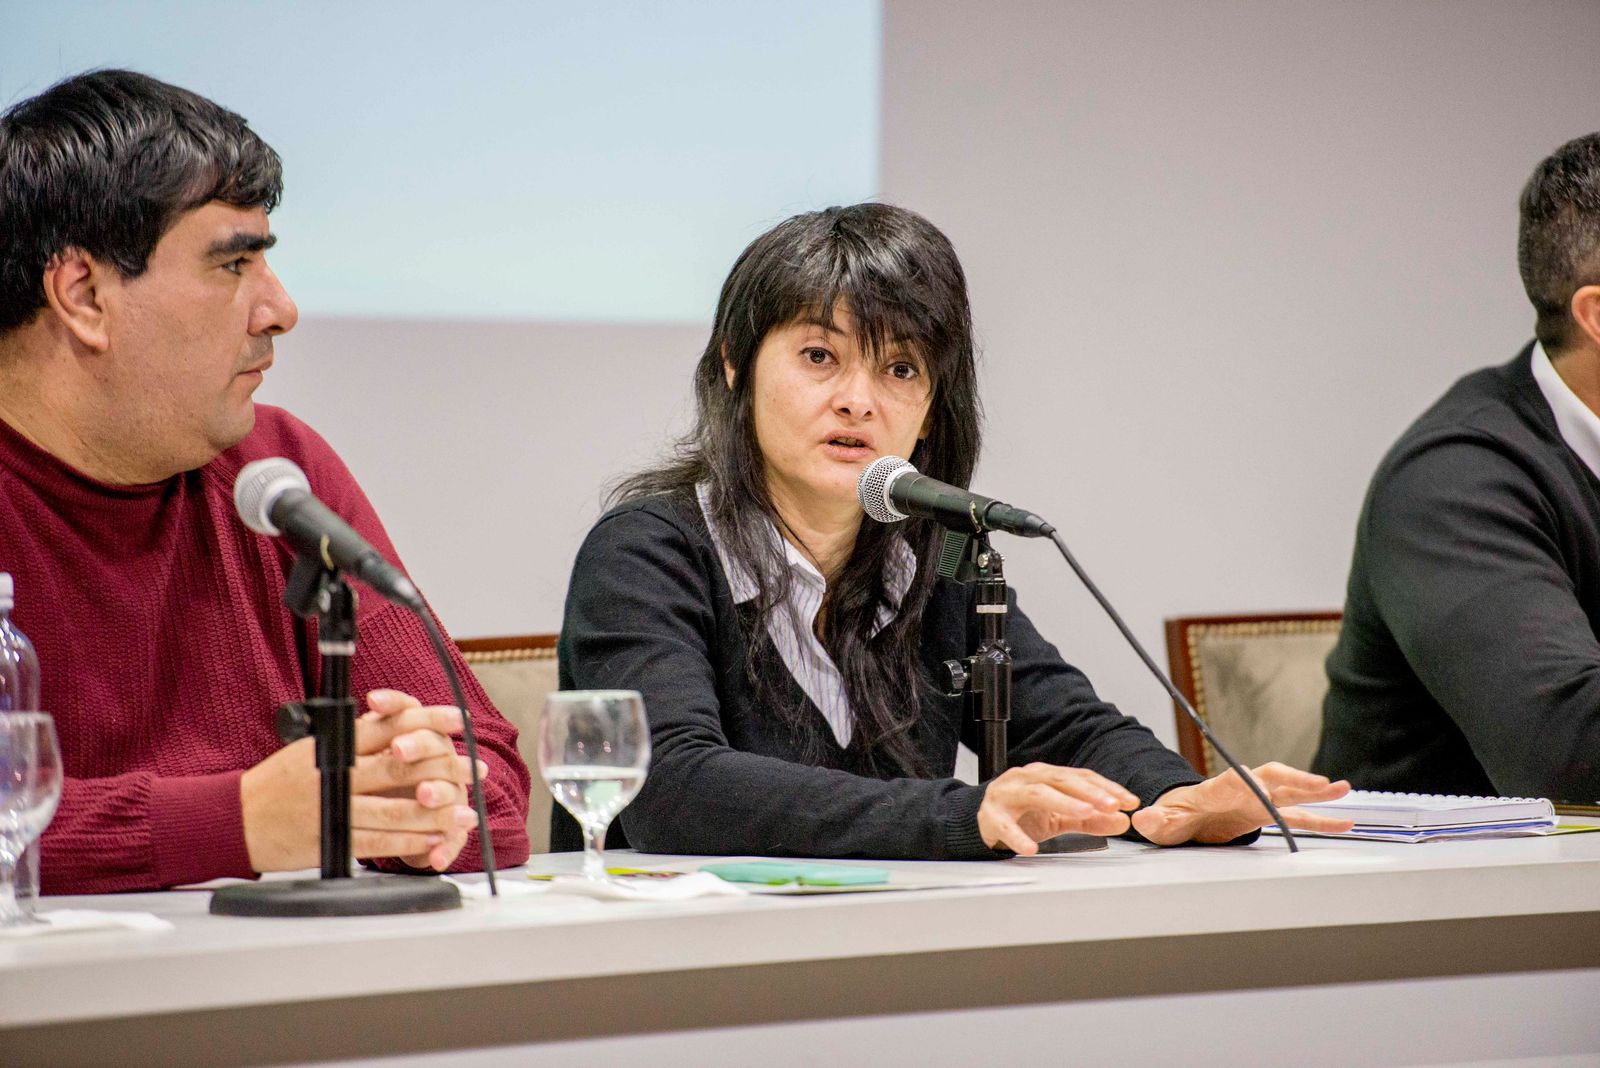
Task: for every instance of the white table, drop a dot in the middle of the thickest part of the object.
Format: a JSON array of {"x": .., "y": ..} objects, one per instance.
[{"x": 1355, "y": 952}]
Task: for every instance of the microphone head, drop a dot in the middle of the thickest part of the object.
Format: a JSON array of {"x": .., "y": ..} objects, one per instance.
[
  {"x": 258, "y": 488},
  {"x": 872, "y": 488}
]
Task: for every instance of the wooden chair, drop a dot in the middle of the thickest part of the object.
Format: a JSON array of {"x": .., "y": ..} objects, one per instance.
[
  {"x": 517, "y": 672},
  {"x": 1258, "y": 681}
]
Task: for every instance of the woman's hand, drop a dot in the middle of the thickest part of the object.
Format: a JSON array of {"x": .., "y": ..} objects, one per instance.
[
  {"x": 1222, "y": 808},
  {"x": 1031, "y": 804}
]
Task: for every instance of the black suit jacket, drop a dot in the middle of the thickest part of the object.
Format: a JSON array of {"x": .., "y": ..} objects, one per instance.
[{"x": 1469, "y": 660}]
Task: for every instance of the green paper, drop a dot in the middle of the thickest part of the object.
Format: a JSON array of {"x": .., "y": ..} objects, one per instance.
[{"x": 778, "y": 873}]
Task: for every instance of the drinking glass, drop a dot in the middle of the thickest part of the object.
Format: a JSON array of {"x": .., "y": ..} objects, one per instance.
[
  {"x": 30, "y": 787},
  {"x": 594, "y": 747}
]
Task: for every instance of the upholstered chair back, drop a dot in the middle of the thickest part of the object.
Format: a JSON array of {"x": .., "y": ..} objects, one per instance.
[
  {"x": 1258, "y": 682},
  {"x": 517, "y": 673}
]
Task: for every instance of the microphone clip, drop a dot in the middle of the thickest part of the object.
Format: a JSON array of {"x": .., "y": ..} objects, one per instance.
[
  {"x": 965, "y": 556},
  {"x": 310, "y": 588}
]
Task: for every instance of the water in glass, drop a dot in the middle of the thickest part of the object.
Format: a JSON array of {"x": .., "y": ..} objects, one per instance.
[{"x": 594, "y": 748}]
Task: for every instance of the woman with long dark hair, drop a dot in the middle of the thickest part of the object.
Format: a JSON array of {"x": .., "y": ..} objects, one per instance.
[{"x": 785, "y": 644}]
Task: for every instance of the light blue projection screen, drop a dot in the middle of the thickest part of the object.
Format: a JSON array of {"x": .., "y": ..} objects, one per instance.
[{"x": 534, "y": 160}]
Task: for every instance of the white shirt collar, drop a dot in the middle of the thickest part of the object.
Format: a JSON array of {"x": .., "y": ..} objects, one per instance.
[
  {"x": 1578, "y": 424},
  {"x": 901, "y": 567}
]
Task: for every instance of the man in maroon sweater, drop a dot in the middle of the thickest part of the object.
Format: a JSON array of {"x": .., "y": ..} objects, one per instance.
[{"x": 137, "y": 315}]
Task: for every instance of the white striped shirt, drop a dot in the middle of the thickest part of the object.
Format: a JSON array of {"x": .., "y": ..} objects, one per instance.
[{"x": 792, "y": 625}]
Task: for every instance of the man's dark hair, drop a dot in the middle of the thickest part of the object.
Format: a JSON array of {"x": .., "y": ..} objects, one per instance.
[
  {"x": 106, "y": 162},
  {"x": 1558, "y": 246},
  {"x": 900, "y": 279}
]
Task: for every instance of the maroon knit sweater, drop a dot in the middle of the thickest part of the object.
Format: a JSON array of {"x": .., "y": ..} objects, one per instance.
[{"x": 165, "y": 649}]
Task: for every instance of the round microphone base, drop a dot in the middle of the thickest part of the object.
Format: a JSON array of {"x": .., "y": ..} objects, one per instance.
[{"x": 367, "y": 895}]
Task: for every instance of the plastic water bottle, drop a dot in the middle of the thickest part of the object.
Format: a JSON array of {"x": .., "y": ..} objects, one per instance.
[
  {"x": 19, "y": 692},
  {"x": 19, "y": 664}
]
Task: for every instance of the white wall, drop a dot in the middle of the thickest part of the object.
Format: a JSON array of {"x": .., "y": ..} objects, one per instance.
[
  {"x": 1220, "y": 255},
  {"x": 486, "y": 447}
]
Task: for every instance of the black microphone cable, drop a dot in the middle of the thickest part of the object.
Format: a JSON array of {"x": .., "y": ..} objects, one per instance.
[
  {"x": 485, "y": 842},
  {"x": 1161, "y": 676}
]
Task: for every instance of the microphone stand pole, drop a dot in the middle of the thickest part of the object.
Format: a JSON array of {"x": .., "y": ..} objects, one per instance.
[
  {"x": 316, "y": 590},
  {"x": 985, "y": 676}
]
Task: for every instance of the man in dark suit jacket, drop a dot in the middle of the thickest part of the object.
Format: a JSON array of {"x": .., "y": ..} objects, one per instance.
[{"x": 1469, "y": 661}]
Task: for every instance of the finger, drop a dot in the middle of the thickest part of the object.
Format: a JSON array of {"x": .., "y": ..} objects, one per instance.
[
  {"x": 1114, "y": 796},
  {"x": 444, "y": 854},
  {"x": 1043, "y": 797},
  {"x": 1084, "y": 785},
  {"x": 388, "y": 702},
  {"x": 1282, "y": 796},
  {"x": 374, "y": 732},
  {"x": 1291, "y": 786},
  {"x": 1302, "y": 820},
  {"x": 381, "y": 772},
  {"x": 1051, "y": 788},
  {"x": 1230, "y": 791},
  {"x": 1011, "y": 836},
  {"x": 367, "y": 845},
  {"x": 1042, "y": 805},
  {"x": 402, "y": 814},
  {"x": 1278, "y": 775},
  {"x": 437, "y": 793},
  {"x": 453, "y": 768},
  {"x": 1300, "y": 795},
  {"x": 1090, "y": 786},
  {"x": 1163, "y": 824},
  {"x": 384, "y": 772},
  {"x": 413, "y": 746},
  {"x": 1121, "y": 797},
  {"x": 1104, "y": 824},
  {"x": 440, "y": 856}
]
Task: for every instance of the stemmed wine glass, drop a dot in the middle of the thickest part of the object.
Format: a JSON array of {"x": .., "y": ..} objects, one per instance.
[
  {"x": 30, "y": 787},
  {"x": 594, "y": 747}
]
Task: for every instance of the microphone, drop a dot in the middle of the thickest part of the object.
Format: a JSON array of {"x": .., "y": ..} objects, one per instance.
[
  {"x": 890, "y": 490},
  {"x": 274, "y": 498}
]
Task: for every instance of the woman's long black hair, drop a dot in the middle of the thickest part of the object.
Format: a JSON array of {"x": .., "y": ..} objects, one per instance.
[{"x": 900, "y": 279}]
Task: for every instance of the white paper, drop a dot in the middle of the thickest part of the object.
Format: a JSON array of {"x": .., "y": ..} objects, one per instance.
[{"x": 67, "y": 921}]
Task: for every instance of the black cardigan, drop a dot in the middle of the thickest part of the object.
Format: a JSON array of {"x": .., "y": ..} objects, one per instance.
[
  {"x": 649, "y": 609},
  {"x": 1468, "y": 662}
]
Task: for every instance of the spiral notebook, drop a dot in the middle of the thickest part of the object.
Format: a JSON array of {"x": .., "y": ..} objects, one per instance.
[{"x": 1399, "y": 817}]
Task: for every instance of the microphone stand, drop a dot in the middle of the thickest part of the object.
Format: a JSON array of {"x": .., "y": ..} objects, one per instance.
[
  {"x": 316, "y": 590},
  {"x": 985, "y": 676}
]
